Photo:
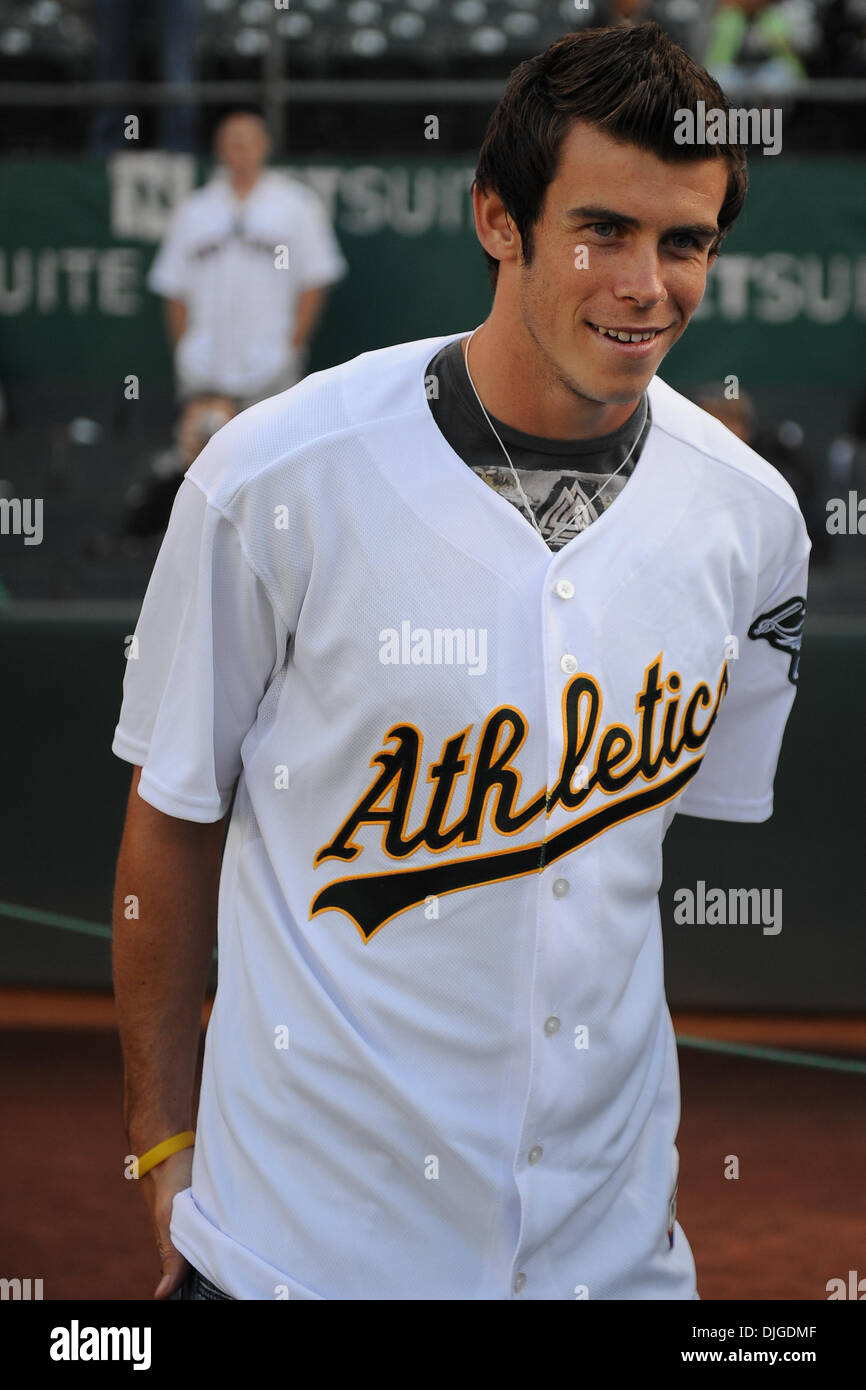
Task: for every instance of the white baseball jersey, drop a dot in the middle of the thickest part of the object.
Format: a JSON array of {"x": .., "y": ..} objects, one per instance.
[
  {"x": 221, "y": 257},
  {"x": 440, "y": 1063}
]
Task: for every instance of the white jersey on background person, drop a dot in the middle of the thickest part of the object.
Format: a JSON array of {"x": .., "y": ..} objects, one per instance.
[
  {"x": 440, "y": 1064},
  {"x": 219, "y": 257}
]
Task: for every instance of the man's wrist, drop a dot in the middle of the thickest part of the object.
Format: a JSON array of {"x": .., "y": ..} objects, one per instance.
[
  {"x": 144, "y": 1134},
  {"x": 162, "y": 1152}
]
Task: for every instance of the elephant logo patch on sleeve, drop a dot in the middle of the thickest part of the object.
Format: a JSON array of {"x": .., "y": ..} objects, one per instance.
[{"x": 782, "y": 627}]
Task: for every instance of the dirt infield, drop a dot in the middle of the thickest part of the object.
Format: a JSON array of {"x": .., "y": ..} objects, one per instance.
[{"x": 794, "y": 1218}]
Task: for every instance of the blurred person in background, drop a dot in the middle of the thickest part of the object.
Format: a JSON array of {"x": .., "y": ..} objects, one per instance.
[
  {"x": 842, "y": 51},
  {"x": 124, "y": 32},
  {"x": 244, "y": 271},
  {"x": 628, "y": 12},
  {"x": 761, "y": 41},
  {"x": 846, "y": 453},
  {"x": 738, "y": 415},
  {"x": 686, "y": 21},
  {"x": 783, "y": 445}
]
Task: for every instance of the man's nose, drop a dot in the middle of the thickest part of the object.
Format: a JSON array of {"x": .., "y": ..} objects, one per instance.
[{"x": 641, "y": 278}]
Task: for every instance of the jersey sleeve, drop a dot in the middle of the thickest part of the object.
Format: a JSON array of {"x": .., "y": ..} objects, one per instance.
[
  {"x": 735, "y": 779},
  {"x": 168, "y": 274},
  {"x": 317, "y": 257},
  {"x": 206, "y": 646}
]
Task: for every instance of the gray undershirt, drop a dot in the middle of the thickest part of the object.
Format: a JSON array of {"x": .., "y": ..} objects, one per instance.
[{"x": 568, "y": 481}]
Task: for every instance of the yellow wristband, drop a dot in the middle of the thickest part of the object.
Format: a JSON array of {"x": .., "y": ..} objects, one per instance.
[{"x": 165, "y": 1150}]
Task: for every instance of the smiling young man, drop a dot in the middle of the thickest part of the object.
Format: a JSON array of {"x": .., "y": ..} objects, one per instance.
[
  {"x": 440, "y": 1064},
  {"x": 620, "y": 255}
]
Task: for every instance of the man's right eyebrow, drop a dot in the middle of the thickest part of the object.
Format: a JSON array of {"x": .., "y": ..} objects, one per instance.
[{"x": 701, "y": 231}]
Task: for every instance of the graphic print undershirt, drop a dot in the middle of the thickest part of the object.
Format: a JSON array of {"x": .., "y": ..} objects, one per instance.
[{"x": 568, "y": 481}]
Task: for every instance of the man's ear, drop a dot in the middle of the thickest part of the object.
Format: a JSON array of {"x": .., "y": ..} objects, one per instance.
[{"x": 493, "y": 226}]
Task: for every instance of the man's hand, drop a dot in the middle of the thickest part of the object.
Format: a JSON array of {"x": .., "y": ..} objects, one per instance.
[{"x": 160, "y": 1186}]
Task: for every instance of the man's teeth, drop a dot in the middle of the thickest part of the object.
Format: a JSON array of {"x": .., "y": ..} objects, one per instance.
[{"x": 625, "y": 337}]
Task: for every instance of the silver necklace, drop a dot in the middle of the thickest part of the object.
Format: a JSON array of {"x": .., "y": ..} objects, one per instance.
[{"x": 579, "y": 515}]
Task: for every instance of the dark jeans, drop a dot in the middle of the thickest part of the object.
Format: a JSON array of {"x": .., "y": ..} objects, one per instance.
[
  {"x": 196, "y": 1286},
  {"x": 120, "y": 27}
]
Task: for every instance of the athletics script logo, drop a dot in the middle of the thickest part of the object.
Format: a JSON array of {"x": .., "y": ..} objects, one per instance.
[{"x": 605, "y": 758}]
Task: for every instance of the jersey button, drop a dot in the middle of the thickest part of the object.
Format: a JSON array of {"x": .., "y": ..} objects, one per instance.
[
  {"x": 519, "y": 1283},
  {"x": 564, "y": 588},
  {"x": 551, "y": 1025},
  {"x": 569, "y": 664},
  {"x": 535, "y": 1153},
  {"x": 561, "y": 887}
]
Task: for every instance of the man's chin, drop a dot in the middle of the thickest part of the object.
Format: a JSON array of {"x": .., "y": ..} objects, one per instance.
[{"x": 617, "y": 393}]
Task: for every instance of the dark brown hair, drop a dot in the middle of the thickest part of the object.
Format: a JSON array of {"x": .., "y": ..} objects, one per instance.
[{"x": 628, "y": 83}]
